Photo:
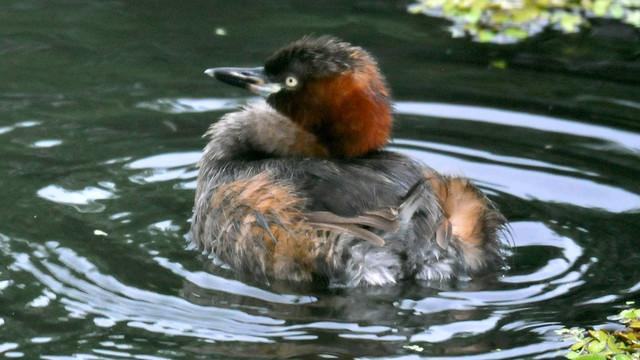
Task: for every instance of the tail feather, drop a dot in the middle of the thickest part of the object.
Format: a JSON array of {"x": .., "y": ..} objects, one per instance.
[
  {"x": 471, "y": 219},
  {"x": 417, "y": 196}
]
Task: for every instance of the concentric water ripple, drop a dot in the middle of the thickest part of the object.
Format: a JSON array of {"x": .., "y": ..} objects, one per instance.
[{"x": 553, "y": 263}]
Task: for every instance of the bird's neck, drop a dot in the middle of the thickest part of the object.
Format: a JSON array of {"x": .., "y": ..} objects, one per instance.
[{"x": 348, "y": 114}]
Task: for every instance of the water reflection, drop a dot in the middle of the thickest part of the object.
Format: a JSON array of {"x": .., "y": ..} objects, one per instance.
[
  {"x": 46, "y": 143},
  {"x": 219, "y": 308},
  {"x": 204, "y": 281},
  {"x": 22, "y": 124},
  {"x": 189, "y": 105},
  {"x": 85, "y": 291},
  {"x": 165, "y": 167},
  {"x": 624, "y": 139},
  {"x": 101, "y": 130},
  {"x": 536, "y": 184},
  {"x": 136, "y": 277},
  {"x": 84, "y": 200}
]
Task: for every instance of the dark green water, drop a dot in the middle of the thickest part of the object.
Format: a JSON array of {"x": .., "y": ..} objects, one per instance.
[{"x": 102, "y": 108}]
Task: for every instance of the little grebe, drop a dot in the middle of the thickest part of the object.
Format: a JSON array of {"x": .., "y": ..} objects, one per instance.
[{"x": 300, "y": 187}]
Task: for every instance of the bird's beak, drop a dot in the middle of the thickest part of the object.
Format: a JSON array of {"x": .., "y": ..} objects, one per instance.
[{"x": 252, "y": 79}]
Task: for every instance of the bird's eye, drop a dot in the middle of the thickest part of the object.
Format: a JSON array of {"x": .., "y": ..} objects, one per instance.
[{"x": 291, "y": 81}]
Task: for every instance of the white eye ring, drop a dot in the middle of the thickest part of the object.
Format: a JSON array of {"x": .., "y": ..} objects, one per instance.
[{"x": 291, "y": 81}]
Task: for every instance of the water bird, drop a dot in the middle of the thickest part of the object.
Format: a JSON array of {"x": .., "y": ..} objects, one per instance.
[{"x": 300, "y": 186}]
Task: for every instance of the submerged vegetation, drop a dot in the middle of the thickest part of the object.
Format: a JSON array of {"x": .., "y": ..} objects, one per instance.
[
  {"x": 508, "y": 21},
  {"x": 622, "y": 344}
]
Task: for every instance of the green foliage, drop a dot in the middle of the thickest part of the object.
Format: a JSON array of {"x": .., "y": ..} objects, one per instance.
[
  {"x": 508, "y": 21},
  {"x": 623, "y": 344}
]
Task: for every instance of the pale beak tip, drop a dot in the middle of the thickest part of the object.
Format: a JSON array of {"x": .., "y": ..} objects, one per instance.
[{"x": 210, "y": 72}]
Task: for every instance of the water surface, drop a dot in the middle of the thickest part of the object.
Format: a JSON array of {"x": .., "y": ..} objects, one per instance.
[{"x": 102, "y": 108}]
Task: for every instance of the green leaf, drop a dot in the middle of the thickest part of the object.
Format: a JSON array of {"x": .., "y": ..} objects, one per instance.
[
  {"x": 630, "y": 313},
  {"x": 516, "y": 33},
  {"x": 572, "y": 355},
  {"x": 590, "y": 357},
  {"x": 633, "y": 18},
  {"x": 473, "y": 16},
  {"x": 500, "y": 17},
  {"x": 486, "y": 36},
  {"x": 613, "y": 344},
  {"x": 513, "y": 20},
  {"x": 600, "y": 7},
  {"x": 499, "y": 64},
  {"x": 415, "y": 8},
  {"x": 622, "y": 357},
  {"x": 616, "y": 11},
  {"x": 525, "y": 14},
  {"x": 628, "y": 337},
  {"x": 580, "y": 344},
  {"x": 601, "y": 335},
  {"x": 631, "y": 336},
  {"x": 596, "y": 346},
  {"x": 569, "y": 22}
]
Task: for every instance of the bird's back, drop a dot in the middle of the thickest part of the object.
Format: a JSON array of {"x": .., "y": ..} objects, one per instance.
[{"x": 274, "y": 218}]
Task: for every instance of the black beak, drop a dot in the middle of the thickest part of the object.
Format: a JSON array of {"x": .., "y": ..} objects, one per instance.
[{"x": 252, "y": 79}]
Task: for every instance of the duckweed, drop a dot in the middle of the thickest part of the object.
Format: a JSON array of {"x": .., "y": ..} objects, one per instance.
[
  {"x": 622, "y": 344},
  {"x": 505, "y": 21}
]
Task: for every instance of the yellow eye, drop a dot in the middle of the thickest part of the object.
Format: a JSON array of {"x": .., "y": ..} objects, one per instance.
[{"x": 291, "y": 81}]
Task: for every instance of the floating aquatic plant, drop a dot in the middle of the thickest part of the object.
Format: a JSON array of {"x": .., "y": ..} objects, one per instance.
[
  {"x": 508, "y": 21},
  {"x": 622, "y": 344}
]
